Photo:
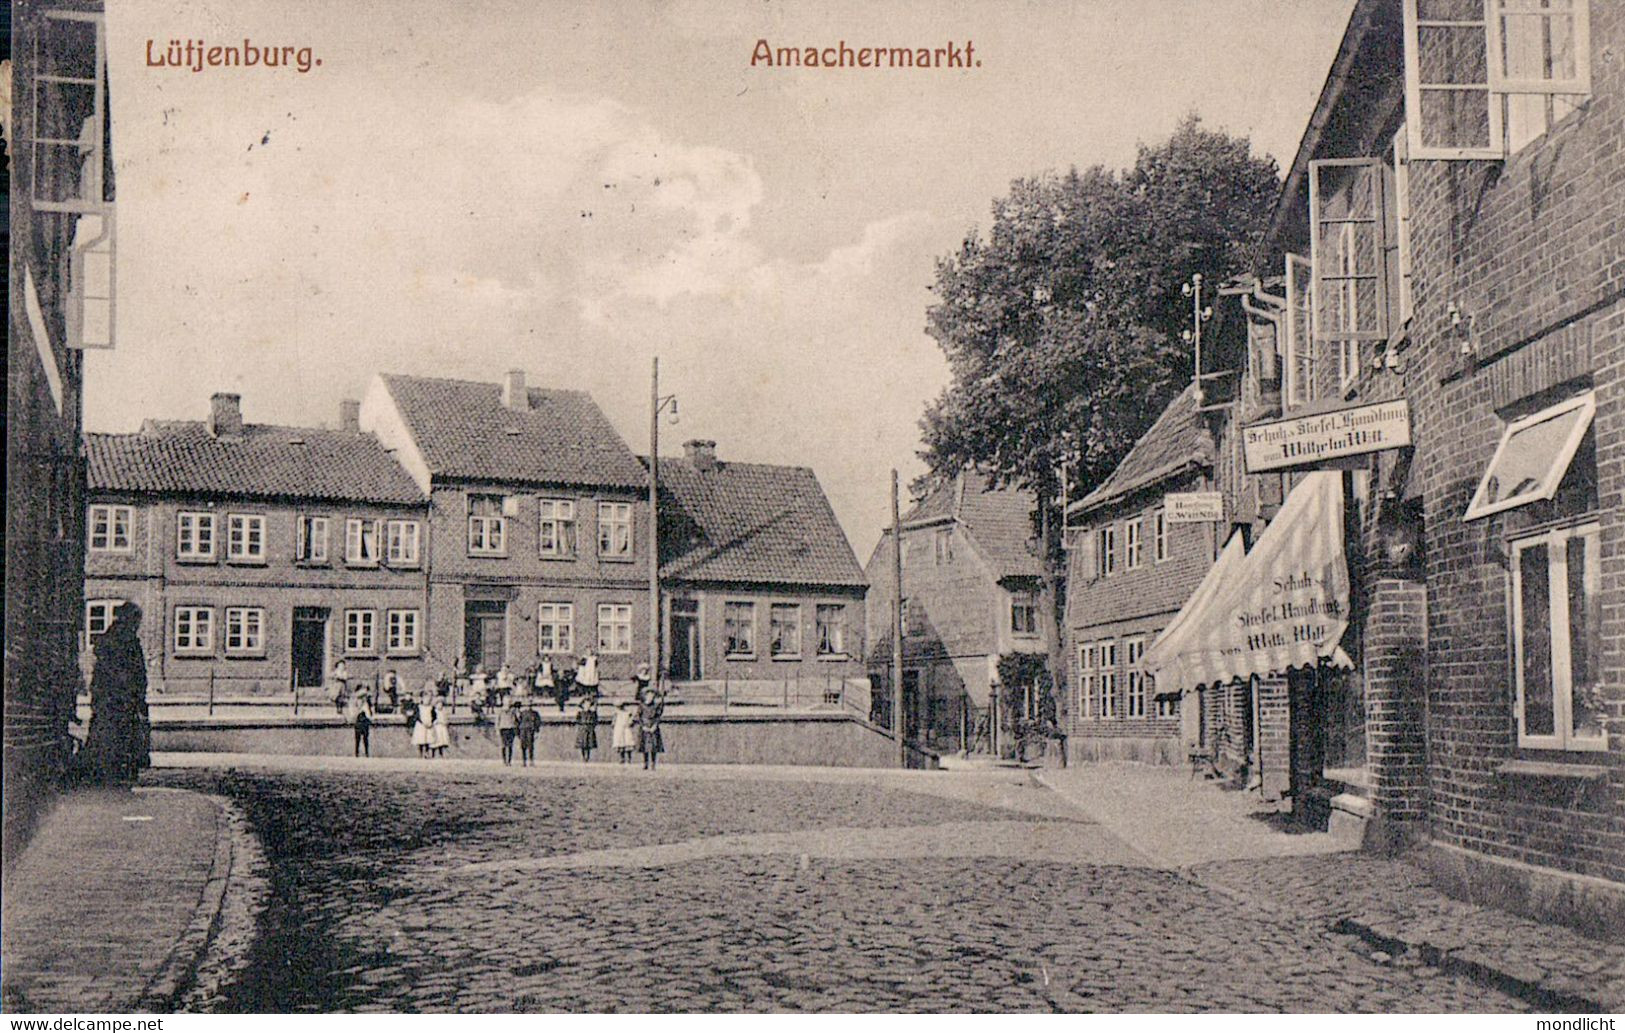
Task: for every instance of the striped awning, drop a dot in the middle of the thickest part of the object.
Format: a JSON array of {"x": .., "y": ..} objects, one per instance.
[{"x": 1282, "y": 605}]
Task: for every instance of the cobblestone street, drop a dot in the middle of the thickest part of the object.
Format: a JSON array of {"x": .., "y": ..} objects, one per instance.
[{"x": 485, "y": 890}]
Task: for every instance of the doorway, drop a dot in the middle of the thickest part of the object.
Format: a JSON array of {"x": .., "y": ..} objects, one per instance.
[
  {"x": 309, "y": 646},
  {"x": 485, "y": 634},
  {"x": 684, "y": 664}
]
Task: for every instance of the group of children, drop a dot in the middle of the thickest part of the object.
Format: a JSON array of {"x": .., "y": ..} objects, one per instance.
[{"x": 636, "y": 728}]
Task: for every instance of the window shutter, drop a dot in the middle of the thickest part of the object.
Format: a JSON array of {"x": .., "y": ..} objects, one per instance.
[
  {"x": 1298, "y": 355},
  {"x": 1346, "y": 247},
  {"x": 1539, "y": 46},
  {"x": 1449, "y": 104}
]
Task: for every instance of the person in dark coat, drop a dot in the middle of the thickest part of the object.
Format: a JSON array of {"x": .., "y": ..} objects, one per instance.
[
  {"x": 119, "y": 741},
  {"x": 530, "y": 722},
  {"x": 587, "y": 727},
  {"x": 651, "y": 707}
]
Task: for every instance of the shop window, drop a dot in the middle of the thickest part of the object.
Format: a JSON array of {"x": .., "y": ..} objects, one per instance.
[
  {"x": 1532, "y": 457},
  {"x": 1484, "y": 77},
  {"x": 1557, "y": 639}
]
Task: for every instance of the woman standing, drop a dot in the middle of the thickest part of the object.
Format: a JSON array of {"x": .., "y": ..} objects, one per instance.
[
  {"x": 117, "y": 744},
  {"x": 587, "y": 728},
  {"x": 650, "y": 710}
]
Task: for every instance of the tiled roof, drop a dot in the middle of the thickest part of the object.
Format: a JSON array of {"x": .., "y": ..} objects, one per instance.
[
  {"x": 999, "y": 520},
  {"x": 751, "y": 522},
  {"x": 464, "y": 431},
  {"x": 1175, "y": 442},
  {"x": 182, "y": 457}
]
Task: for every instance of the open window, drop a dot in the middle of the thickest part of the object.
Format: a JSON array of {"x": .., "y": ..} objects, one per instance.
[
  {"x": 1482, "y": 77},
  {"x": 1298, "y": 352},
  {"x": 1534, "y": 454},
  {"x": 1348, "y": 248}
]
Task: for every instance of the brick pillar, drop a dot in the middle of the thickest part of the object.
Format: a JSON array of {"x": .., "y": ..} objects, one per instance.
[
  {"x": 1274, "y": 737},
  {"x": 1395, "y": 652}
]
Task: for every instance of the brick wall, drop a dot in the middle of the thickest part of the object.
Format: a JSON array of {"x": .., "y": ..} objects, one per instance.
[
  {"x": 1394, "y": 647},
  {"x": 807, "y": 666}
]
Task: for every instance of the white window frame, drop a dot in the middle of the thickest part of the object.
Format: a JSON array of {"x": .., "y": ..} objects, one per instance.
[
  {"x": 109, "y": 517},
  {"x": 614, "y": 617},
  {"x": 355, "y": 539},
  {"x": 1137, "y": 694},
  {"x": 1108, "y": 550},
  {"x": 246, "y": 624},
  {"x": 553, "y": 516},
  {"x": 1347, "y": 277},
  {"x": 1561, "y": 461},
  {"x": 487, "y": 535},
  {"x": 749, "y": 625},
  {"x": 100, "y": 611},
  {"x": 1023, "y": 601},
  {"x": 1089, "y": 679},
  {"x": 310, "y": 539},
  {"x": 403, "y": 632},
  {"x": 1298, "y": 353},
  {"x": 360, "y": 632},
  {"x": 773, "y": 624},
  {"x": 403, "y": 543},
  {"x": 1109, "y": 675},
  {"x": 555, "y": 628},
  {"x": 1133, "y": 544},
  {"x": 240, "y": 528},
  {"x": 614, "y": 517},
  {"x": 1159, "y": 536},
  {"x": 198, "y": 624},
  {"x": 1496, "y": 87},
  {"x": 1402, "y": 229},
  {"x": 201, "y": 524},
  {"x": 838, "y": 624},
  {"x": 1558, "y": 626}
]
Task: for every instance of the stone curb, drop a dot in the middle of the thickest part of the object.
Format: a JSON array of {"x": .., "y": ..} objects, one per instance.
[{"x": 179, "y": 968}]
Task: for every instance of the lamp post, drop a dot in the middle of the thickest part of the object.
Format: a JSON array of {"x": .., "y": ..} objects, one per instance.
[
  {"x": 657, "y": 405},
  {"x": 1200, "y": 314}
]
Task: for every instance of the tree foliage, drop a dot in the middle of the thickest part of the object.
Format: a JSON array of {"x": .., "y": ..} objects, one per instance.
[{"x": 1062, "y": 325}]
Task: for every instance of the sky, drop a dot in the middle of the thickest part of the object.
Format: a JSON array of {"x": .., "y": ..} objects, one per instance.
[{"x": 574, "y": 188}]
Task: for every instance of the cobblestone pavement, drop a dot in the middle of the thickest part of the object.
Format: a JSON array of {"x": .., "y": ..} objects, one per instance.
[{"x": 438, "y": 890}]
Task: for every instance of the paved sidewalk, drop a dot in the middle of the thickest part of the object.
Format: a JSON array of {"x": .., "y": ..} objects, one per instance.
[
  {"x": 1224, "y": 840},
  {"x": 113, "y": 900}
]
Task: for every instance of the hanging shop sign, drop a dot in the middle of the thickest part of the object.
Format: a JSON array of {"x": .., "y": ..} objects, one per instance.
[
  {"x": 1193, "y": 507},
  {"x": 1318, "y": 439}
]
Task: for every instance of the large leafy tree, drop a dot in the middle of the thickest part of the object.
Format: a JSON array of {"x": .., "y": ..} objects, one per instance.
[{"x": 1062, "y": 325}]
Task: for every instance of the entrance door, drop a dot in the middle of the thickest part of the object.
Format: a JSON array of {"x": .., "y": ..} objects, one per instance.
[
  {"x": 911, "y": 706},
  {"x": 685, "y": 640},
  {"x": 485, "y": 633},
  {"x": 309, "y": 646}
]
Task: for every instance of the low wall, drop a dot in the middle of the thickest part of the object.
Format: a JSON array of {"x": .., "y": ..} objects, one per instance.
[
  {"x": 1140, "y": 749},
  {"x": 1593, "y": 906},
  {"x": 827, "y": 740}
]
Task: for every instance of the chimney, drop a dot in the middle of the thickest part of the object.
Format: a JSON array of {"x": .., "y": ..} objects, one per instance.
[
  {"x": 225, "y": 415},
  {"x": 513, "y": 391},
  {"x": 350, "y": 415},
  {"x": 702, "y": 453}
]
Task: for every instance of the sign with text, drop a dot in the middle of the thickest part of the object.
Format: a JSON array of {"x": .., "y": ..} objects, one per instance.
[
  {"x": 1193, "y": 507},
  {"x": 1318, "y": 439}
]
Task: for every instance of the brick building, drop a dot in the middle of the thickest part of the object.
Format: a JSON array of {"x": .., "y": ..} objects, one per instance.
[
  {"x": 971, "y": 587},
  {"x": 60, "y": 236},
  {"x": 538, "y": 540},
  {"x": 759, "y": 584},
  {"x": 260, "y": 555}
]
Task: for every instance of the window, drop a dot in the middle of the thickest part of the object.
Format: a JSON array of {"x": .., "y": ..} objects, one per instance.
[
  {"x": 194, "y": 536},
  {"x": 487, "y": 527},
  {"x": 1347, "y": 247},
  {"x": 401, "y": 631},
  {"x": 245, "y": 630},
  {"x": 1166, "y": 707},
  {"x": 830, "y": 625},
  {"x": 1108, "y": 679},
  {"x": 194, "y": 629},
  {"x": 1557, "y": 639},
  {"x": 1023, "y": 615},
  {"x": 312, "y": 544},
  {"x": 1483, "y": 77},
  {"x": 1133, "y": 549},
  {"x": 739, "y": 628},
  {"x": 556, "y": 527},
  {"x": 1108, "y": 550},
  {"x": 614, "y": 628},
  {"x": 784, "y": 630},
  {"x": 99, "y": 615},
  {"x": 1089, "y": 680},
  {"x": 1298, "y": 351},
  {"x": 361, "y": 542},
  {"x": 110, "y": 528},
  {"x": 1399, "y": 268},
  {"x": 615, "y": 530},
  {"x": 1133, "y": 650},
  {"x": 555, "y": 628},
  {"x": 245, "y": 538},
  {"x": 401, "y": 542},
  {"x": 1532, "y": 457},
  {"x": 361, "y": 631},
  {"x": 945, "y": 545},
  {"x": 1159, "y": 536}
]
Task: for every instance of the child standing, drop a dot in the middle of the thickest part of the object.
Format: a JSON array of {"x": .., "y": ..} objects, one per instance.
[
  {"x": 625, "y": 736},
  {"x": 442, "y": 730},
  {"x": 587, "y": 728},
  {"x": 530, "y": 722}
]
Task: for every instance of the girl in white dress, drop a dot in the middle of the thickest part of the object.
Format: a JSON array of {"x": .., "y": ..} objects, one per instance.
[
  {"x": 441, "y": 731},
  {"x": 421, "y": 737}
]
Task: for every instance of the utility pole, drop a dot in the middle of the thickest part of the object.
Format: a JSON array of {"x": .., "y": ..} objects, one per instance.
[
  {"x": 656, "y": 405},
  {"x": 897, "y": 721}
]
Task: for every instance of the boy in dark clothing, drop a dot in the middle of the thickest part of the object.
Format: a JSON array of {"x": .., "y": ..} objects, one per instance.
[{"x": 530, "y": 722}]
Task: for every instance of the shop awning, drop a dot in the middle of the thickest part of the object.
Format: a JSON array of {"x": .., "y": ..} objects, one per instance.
[{"x": 1282, "y": 605}]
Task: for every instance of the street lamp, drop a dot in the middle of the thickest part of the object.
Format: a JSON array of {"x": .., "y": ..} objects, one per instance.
[
  {"x": 1200, "y": 314},
  {"x": 658, "y": 403}
]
